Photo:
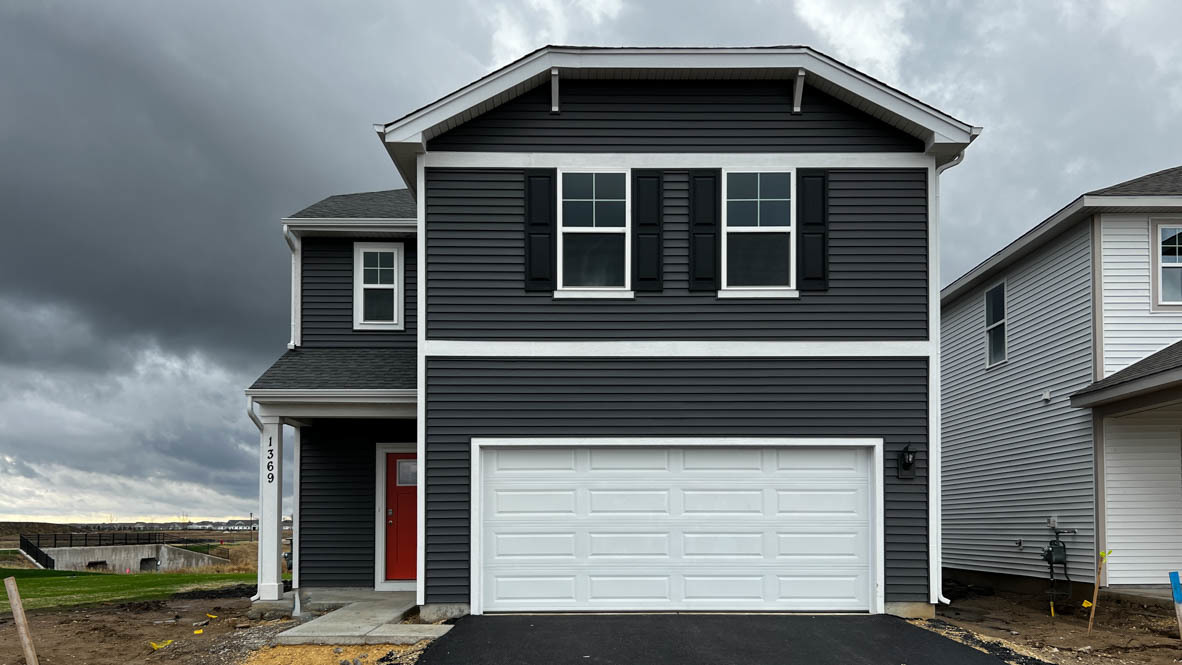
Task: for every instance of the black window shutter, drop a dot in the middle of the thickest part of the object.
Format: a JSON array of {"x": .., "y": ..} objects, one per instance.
[
  {"x": 812, "y": 218},
  {"x": 541, "y": 229},
  {"x": 705, "y": 211},
  {"x": 646, "y": 230}
]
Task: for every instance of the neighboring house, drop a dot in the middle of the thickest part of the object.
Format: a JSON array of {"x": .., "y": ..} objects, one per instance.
[
  {"x": 651, "y": 329},
  {"x": 1061, "y": 387}
]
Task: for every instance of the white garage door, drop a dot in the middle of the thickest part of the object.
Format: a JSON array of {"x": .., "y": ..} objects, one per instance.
[{"x": 664, "y": 528}]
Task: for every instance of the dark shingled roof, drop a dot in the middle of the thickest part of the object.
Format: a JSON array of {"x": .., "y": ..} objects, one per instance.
[
  {"x": 354, "y": 369},
  {"x": 1167, "y": 359},
  {"x": 388, "y": 204},
  {"x": 1162, "y": 183}
]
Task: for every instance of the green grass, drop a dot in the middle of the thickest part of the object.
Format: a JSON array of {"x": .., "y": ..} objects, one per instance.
[
  {"x": 14, "y": 559},
  {"x": 62, "y": 588}
]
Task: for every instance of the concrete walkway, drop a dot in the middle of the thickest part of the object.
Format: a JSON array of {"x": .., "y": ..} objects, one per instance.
[{"x": 365, "y": 622}]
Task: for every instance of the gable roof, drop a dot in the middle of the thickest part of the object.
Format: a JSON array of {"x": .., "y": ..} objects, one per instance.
[
  {"x": 1155, "y": 192},
  {"x": 404, "y": 138},
  {"x": 385, "y": 204},
  {"x": 1155, "y": 372}
]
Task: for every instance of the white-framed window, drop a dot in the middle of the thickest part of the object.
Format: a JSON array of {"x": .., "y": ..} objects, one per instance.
[
  {"x": 378, "y": 275},
  {"x": 594, "y": 242},
  {"x": 995, "y": 325},
  {"x": 758, "y": 233},
  {"x": 1169, "y": 264}
]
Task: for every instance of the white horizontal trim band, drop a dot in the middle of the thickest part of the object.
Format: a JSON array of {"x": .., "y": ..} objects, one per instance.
[
  {"x": 675, "y": 348},
  {"x": 333, "y": 395},
  {"x": 720, "y": 441},
  {"x": 674, "y": 160}
]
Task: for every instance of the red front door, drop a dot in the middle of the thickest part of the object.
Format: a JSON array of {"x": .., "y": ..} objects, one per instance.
[{"x": 402, "y": 471}]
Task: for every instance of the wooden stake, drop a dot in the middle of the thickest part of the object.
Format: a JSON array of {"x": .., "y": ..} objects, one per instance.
[
  {"x": 1096, "y": 589},
  {"x": 22, "y": 624}
]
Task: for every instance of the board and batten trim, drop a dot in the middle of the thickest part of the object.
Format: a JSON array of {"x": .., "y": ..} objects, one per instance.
[
  {"x": 674, "y": 160},
  {"x": 380, "y": 583},
  {"x": 878, "y": 513},
  {"x": 677, "y": 348}
]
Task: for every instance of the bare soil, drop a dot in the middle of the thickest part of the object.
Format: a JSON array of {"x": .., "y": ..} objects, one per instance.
[
  {"x": 124, "y": 633},
  {"x": 1123, "y": 633}
]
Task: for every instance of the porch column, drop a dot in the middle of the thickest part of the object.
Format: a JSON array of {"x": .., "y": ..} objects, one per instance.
[{"x": 271, "y": 509}]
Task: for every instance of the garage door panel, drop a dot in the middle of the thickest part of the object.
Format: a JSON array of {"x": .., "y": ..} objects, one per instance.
[
  {"x": 647, "y": 528},
  {"x": 532, "y": 461}
]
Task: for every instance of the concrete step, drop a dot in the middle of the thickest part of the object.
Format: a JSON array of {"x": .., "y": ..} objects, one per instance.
[{"x": 366, "y": 622}]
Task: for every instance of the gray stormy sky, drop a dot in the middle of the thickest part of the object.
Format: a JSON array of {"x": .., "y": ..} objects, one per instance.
[{"x": 148, "y": 150}]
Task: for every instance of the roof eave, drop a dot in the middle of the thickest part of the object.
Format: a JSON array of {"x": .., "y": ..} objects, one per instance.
[{"x": 1133, "y": 388}]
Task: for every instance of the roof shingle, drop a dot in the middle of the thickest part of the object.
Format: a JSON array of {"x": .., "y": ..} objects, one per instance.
[
  {"x": 387, "y": 204},
  {"x": 347, "y": 369},
  {"x": 1162, "y": 183},
  {"x": 1163, "y": 361}
]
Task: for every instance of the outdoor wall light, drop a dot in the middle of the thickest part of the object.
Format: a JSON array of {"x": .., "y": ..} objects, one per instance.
[{"x": 906, "y": 465}]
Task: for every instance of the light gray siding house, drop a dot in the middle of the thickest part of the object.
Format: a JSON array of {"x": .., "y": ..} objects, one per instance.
[
  {"x": 1043, "y": 426},
  {"x": 649, "y": 329}
]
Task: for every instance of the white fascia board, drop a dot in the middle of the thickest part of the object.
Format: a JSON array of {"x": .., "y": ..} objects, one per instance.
[
  {"x": 1094, "y": 201},
  {"x": 1133, "y": 388},
  {"x": 342, "y": 395},
  {"x": 678, "y": 348},
  {"x": 943, "y": 128},
  {"x": 360, "y": 225}
]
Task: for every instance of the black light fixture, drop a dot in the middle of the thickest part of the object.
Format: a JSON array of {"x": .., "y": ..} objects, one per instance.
[{"x": 906, "y": 465}]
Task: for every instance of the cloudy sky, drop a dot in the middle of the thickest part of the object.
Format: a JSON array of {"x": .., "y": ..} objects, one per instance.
[{"x": 148, "y": 150}]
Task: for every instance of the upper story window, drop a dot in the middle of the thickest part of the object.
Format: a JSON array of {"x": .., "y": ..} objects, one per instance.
[
  {"x": 378, "y": 270},
  {"x": 758, "y": 240},
  {"x": 995, "y": 325},
  {"x": 1170, "y": 266},
  {"x": 594, "y": 246}
]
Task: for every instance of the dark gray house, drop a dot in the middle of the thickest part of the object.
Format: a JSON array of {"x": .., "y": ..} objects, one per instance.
[{"x": 649, "y": 329}]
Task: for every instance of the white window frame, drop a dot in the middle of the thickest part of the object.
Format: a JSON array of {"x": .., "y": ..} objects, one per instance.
[
  {"x": 1005, "y": 304},
  {"x": 359, "y": 285},
  {"x": 1160, "y": 266},
  {"x": 624, "y": 291},
  {"x": 780, "y": 291}
]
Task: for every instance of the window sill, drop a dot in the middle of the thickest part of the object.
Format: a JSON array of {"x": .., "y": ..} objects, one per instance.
[
  {"x": 621, "y": 294},
  {"x": 758, "y": 293},
  {"x": 379, "y": 326}
]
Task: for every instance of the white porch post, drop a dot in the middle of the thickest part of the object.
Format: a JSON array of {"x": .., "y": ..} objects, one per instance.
[{"x": 271, "y": 509}]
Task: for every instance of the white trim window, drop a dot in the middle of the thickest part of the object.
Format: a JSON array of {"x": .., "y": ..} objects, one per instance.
[
  {"x": 378, "y": 275},
  {"x": 1169, "y": 272},
  {"x": 995, "y": 325},
  {"x": 594, "y": 242},
  {"x": 758, "y": 233}
]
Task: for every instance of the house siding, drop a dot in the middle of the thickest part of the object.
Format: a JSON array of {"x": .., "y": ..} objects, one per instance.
[
  {"x": 1132, "y": 330},
  {"x": 532, "y": 397},
  {"x": 326, "y": 296},
  {"x": 337, "y": 477},
  {"x": 1012, "y": 460},
  {"x": 675, "y": 116},
  {"x": 877, "y": 259}
]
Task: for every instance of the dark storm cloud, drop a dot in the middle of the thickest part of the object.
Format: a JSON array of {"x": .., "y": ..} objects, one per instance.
[{"x": 148, "y": 150}]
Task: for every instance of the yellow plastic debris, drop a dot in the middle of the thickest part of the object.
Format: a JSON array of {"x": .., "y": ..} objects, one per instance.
[
  {"x": 1087, "y": 603},
  {"x": 211, "y": 616},
  {"x": 157, "y": 647},
  {"x": 199, "y": 631}
]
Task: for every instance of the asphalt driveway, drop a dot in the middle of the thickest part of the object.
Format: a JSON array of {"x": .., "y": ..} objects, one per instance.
[{"x": 695, "y": 639}]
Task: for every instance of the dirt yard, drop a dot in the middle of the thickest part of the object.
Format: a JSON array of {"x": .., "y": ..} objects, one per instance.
[
  {"x": 114, "y": 634},
  {"x": 1123, "y": 634}
]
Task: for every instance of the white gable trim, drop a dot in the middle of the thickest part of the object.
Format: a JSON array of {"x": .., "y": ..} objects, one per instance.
[{"x": 519, "y": 76}]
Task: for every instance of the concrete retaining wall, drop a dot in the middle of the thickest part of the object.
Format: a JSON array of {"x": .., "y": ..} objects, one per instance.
[{"x": 129, "y": 558}]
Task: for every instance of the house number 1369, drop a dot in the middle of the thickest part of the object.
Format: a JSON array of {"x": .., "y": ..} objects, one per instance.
[{"x": 270, "y": 460}]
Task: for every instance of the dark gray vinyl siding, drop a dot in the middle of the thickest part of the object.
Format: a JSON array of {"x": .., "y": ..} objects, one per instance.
[
  {"x": 327, "y": 296},
  {"x": 877, "y": 259},
  {"x": 531, "y": 397},
  {"x": 337, "y": 498},
  {"x": 675, "y": 116}
]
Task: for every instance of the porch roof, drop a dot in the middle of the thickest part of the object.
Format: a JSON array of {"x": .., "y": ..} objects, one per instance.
[
  {"x": 341, "y": 369},
  {"x": 1160, "y": 370}
]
